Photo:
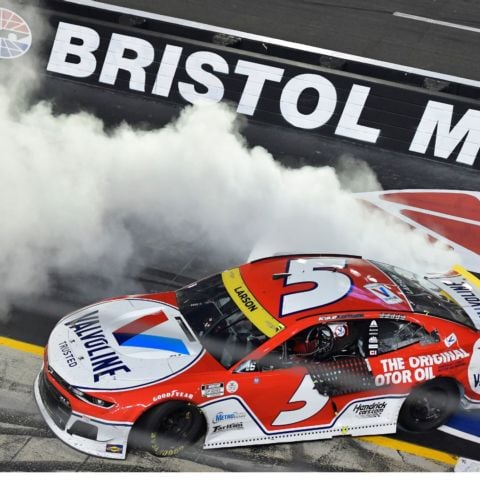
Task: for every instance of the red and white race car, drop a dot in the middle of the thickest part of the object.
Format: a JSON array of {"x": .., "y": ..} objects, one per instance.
[{"x": 283, "y": 349}]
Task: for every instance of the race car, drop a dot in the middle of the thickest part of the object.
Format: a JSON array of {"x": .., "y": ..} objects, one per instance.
[{"x": 282, "y": 349}]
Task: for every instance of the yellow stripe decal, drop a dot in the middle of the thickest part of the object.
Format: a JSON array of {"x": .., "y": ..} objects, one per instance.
[
  {"x": 248, "y": 304},
  {"x": 467, "y": 275},
  {"x": 22, "y": 346},
  {"x": 412, "y": 448}
]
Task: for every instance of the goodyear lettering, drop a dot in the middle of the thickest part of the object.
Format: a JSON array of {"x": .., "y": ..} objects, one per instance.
[
  {"x": 245, "y": 299},
  {"x": 172, "y": 394},
  {"x": 106, "y": 363}
]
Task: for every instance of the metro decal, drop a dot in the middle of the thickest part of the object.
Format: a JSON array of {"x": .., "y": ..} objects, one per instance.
[{"x": 131, "y": 335}]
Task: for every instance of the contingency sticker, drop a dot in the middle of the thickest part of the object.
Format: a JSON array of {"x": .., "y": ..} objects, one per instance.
[
  {"x": 384, "y": 293},
  {"x": 213, "y": 390}
]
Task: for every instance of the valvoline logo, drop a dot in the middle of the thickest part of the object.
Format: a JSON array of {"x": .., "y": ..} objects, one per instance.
[
  {"x": 132, "y": 335},
  {"x": 15, "y": 35}
]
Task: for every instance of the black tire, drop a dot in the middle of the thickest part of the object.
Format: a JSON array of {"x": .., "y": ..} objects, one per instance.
[
  {"x": 168, "y": 428},
  {"x": 429, "y": 406}
]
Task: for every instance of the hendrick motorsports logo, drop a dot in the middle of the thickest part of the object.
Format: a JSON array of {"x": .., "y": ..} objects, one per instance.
[
  {"x": 15, "y": 35},
  {"x": 371, "y": 410}
]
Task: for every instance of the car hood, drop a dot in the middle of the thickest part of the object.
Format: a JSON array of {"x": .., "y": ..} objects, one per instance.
[{"x": 122, "y": 344}]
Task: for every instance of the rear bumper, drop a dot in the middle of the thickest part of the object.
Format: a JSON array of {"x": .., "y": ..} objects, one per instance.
[{"x": 86, "y": 434}]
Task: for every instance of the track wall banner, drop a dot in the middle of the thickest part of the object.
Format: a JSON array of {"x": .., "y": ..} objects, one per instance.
[{"x": 139, "y": 57}]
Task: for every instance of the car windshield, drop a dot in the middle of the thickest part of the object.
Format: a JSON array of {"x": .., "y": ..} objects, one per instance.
[
  {"x": 424, "y": 296},
  {"x": 220, "y": 326}
]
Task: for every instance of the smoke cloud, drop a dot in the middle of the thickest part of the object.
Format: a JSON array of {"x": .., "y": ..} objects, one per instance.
[{"x": 75, "y": 199}]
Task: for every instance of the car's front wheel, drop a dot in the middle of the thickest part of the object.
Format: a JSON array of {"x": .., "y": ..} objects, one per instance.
[
  {"x": 168, "y": 428},
  {"x": 429, "y": 406}
]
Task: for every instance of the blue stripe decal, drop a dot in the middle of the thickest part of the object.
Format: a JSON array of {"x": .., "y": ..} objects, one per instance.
[
  {"x": 152, "y": 341},
  {"x": 467, "y": 422}
]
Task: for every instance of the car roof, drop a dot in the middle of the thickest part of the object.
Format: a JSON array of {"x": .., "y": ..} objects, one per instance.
[{"x": 291, "y": 287}]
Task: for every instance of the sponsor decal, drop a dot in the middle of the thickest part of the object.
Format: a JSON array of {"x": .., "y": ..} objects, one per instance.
[
  {"x": 450, "y": 340},
  {"x": 474, "y": 368},
  {"x": 228, "y": 427},
  {"x": 343, "y": 316},
  {"x": 248, "y": 304},
  {"x": 213, "y": 390},
  {"x": 463, "y": 293},
  {"x": 417, "y": 368},
  {"x": 131, "y": 335},
  {"x": 232, "y": 386},
  {"x": 102, "y": 356},
  {"x": 113, "y": 448},
  {"x": 369, "y": 410},
  {"x": 172, "y": 394},
  {"x": 67, "y": 353},
  {"x": 340, "y": 330},
  {"x": 373, "y": 338},
  {"x": 393, "y": 316},
  {"x": 15, "y": 35},
  {"x": 384, "y": 293},
  {"x": 227, "y": 417}
]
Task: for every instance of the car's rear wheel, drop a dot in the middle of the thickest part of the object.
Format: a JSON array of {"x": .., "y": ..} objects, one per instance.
[
  {"x": 170, "y": 427},
  {"x": 429, "y": 406}
]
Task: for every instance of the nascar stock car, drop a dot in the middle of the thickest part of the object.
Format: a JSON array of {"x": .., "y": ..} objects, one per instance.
[{"x": 282, "y": 349}]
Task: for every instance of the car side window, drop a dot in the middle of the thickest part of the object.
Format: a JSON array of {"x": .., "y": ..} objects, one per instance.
[
  {"x": 394, "y": 335},
  {"x": 318, "y": 343}
]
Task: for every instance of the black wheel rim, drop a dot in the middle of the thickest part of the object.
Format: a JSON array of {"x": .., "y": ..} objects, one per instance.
[
  {"x": 429, "y": 407},
  {"x": 176, "y": 427}
]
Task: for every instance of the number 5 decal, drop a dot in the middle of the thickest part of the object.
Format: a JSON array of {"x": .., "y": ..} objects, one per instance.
[
  {"x": 313, "y": 400},
  {"x": 329, "y": 285}
]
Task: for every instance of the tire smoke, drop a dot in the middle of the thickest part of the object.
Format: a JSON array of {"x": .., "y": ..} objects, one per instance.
[{"x": 75, "y": 199}]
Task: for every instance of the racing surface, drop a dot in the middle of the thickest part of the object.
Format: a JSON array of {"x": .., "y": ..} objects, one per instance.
[
  {"x": 357, "y": 27},
  {"x": 354, "y": 27}
]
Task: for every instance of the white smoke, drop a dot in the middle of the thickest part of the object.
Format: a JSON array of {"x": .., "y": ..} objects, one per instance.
[{"x": 75, "y": 199}]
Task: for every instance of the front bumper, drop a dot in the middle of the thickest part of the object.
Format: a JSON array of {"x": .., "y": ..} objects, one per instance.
[{"x": 87, "y": 434}]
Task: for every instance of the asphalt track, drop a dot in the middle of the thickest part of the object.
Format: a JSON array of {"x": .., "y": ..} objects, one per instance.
[
  {"x": 352, "y": 27},
  {"x": 358, "y": 27}
]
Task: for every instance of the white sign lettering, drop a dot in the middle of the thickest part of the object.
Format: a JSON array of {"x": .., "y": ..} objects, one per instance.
[{"x": 438, "y": 116}]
